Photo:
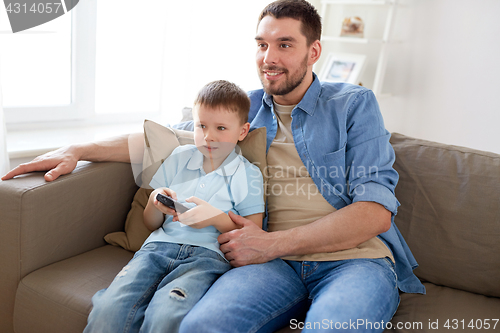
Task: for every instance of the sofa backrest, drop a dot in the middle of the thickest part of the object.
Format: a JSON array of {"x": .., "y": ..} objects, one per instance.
[{"x": 450, "y": 213}]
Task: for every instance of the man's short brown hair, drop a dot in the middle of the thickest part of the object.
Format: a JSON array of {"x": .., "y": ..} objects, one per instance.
[
  {"x": 227, "y": 95},
  {"x": 300, "y": 10}
]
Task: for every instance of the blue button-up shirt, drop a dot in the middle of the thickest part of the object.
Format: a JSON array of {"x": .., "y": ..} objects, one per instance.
[{"x": 340, "y": 136}]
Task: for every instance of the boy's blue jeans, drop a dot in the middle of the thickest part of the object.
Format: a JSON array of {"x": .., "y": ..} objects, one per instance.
[
  {"x": 358, "y": 295},
  {"x": 156, "y": 289}
]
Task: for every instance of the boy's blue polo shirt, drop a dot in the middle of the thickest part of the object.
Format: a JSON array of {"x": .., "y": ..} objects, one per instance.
[{"x": 237, "y": 186}]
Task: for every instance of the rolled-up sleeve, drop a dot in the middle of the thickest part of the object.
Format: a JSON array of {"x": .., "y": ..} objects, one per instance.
[{"x": 369, "y": 154}]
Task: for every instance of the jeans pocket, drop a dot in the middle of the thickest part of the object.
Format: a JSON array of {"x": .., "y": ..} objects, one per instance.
[
  {"x": 392, "y": 267},
  {"x": 211, "y": 254},
  {"x": 221, "y": 258}
]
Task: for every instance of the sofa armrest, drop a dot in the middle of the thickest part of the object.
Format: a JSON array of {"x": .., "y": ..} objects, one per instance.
[{"x": 44, "y": 222}]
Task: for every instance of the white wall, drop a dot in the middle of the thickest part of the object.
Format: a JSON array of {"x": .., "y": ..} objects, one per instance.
[{"x": 444, "y": 74}]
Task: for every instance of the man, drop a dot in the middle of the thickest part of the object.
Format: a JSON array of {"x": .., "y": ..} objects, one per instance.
[{"x": 332, "y": 246}]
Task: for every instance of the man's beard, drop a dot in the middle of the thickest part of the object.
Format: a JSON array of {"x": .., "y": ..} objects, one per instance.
[{"x": 290, "y": 83}]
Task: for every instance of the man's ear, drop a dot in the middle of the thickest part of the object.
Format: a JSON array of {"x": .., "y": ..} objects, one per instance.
[
  {"x": 314, "y": 52},
  {"x": 244, "y": 131}
]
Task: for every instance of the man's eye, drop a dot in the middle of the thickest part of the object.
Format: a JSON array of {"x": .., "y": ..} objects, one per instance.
[{"x": 284, "y": 46}]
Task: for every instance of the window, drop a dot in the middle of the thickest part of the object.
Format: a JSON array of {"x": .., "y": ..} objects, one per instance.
[
  {"x": 129, "y": 56},
  {"x": 42, "y": 66},
  {"x": 158, "y": 55},
  {"x": 36, "y": 64},
  {"x": 126, "y": 60},
  {"x": 209, "y": 40}
]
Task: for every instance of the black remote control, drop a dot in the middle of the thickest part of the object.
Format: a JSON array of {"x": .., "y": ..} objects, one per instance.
[{"x": 171, "y": 203}]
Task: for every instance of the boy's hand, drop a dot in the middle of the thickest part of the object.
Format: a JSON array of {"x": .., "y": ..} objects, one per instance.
[
  {"x": 158, "y": 205},
  {"x": 201, "y": 216}
]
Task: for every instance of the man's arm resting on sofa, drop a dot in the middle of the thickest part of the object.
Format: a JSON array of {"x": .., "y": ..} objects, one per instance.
[
  {"x": 125, "y": 148},
  {"x": 343, "y": 229}
]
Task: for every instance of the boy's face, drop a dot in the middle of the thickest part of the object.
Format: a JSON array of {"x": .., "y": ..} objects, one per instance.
[{"x": 217, "y": 131}]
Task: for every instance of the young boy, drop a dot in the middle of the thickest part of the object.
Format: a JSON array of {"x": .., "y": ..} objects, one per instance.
[{"x": 181, "y": 259}]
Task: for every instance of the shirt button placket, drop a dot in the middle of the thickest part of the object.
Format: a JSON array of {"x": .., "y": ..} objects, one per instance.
[{"x": 201, "y": 191}]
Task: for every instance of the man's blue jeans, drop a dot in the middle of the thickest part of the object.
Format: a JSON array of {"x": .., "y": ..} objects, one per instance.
[
  {"x": 161, "y": 283},
  {"x": 358, "y": 295}
]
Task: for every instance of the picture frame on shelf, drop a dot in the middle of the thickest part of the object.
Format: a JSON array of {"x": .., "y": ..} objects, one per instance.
[{"x": 342, "y": 67}]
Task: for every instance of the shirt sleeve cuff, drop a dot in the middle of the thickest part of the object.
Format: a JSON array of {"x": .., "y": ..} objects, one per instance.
[
  {"x": 251, "y": 210},
  {"x": 378, "y": 193}
]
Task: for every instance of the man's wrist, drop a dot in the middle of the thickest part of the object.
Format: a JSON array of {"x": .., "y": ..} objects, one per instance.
[
  {"x": 80, "y": 151},
  {"x": 276, "y": 247}
]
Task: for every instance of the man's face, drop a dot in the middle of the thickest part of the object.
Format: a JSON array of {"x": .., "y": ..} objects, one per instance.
[{"x": 284, "y": 60}]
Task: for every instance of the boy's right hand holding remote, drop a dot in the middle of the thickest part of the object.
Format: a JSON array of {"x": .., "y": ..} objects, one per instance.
[{"x": 155, "y": 210}]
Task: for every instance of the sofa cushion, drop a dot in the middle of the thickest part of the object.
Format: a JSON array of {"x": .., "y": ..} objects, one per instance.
[
  {"x": 57, "y": 298},
  {"x": 135, "y": 230},
  {"x": 160, "y": 142},
  {"x": 441, "y": 305},
  {"x": 450, "y": 213}
]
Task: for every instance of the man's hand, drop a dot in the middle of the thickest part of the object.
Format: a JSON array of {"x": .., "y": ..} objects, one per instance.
[
  {"x": 247, "y": 245},
  {"x": 123, "y": 148},
  {"x": 58, "y": 162}
]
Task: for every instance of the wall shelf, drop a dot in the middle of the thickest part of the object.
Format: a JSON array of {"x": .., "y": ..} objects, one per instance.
[
  {"x": 351, "y": 40},
  {"x": 384, "y": 41}
]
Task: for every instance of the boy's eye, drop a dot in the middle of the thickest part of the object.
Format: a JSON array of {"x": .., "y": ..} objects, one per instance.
[
  {"x": 221, "y": 128},
  {"x": 201, "y": 126}
]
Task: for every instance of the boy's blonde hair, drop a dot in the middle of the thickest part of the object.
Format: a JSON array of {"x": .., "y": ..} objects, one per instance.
[{"x": 227, "y": 95}]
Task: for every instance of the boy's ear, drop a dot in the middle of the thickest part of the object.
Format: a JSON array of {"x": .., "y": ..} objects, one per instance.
[{"x": 244, "y": 131}]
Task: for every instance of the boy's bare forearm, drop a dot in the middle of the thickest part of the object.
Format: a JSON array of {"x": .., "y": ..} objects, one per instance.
[
  {"x": 153, "y": 218},
  {"x": 224, "y": 223}
]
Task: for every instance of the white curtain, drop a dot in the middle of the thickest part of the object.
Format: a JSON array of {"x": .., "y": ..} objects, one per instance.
[{"x": 4, "y": 157}]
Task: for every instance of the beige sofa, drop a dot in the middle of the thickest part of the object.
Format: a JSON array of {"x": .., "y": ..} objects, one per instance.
[{"x": 54, "y": 258}]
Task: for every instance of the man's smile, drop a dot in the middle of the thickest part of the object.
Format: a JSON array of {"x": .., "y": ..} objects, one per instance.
[{"x": 273, "y": 73}]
